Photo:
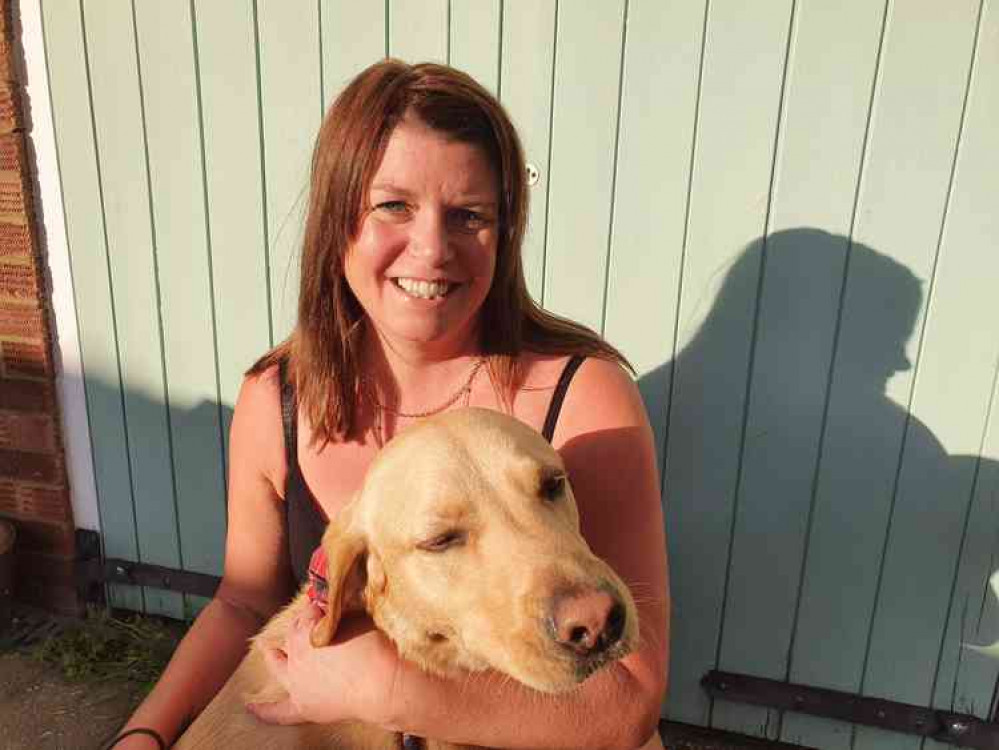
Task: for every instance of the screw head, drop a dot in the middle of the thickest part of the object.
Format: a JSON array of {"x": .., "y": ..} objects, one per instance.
[
  {"x": 958, "y": 727},
  {"x": 533, "y": 174}
]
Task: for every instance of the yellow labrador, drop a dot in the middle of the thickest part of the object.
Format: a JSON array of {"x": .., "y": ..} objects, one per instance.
[{"x": 463, "y": 545}]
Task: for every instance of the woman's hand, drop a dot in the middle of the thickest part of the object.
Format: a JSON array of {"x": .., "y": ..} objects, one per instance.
[{"x": 351, "y": 679}]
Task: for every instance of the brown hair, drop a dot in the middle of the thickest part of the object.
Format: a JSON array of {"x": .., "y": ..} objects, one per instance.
[{"x": 323, "y": 352}]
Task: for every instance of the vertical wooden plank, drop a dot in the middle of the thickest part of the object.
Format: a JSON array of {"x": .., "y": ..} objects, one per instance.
[
  {"x": 825, "y": 115},
  {"x": 526, "y": 90},
  {"x": 122, "y": 154},
  {"x": 930, "y": 513},
  {"x": 82, "y": 197},
  {"x": 165, "y": 33},
  {"x": 291, "y": 101},
  {"x": 820, "y": 138},
  {"x": 658, "y": 108},
  {"x": 587, "y": 74},
  {"x": 354, "y": 37},
  {"x": 475, "y": 39},
  {"x": 418, "y": 31},
  {"x": 965, "y": 680},
  {"x": 742, "y": 68},
  {"x": 230, "y": 116},
  {"x": 833, "y": 68},
  {"x": 902, "y": 207}
]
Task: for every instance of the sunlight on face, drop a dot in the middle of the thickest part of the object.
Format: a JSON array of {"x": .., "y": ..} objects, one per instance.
[{"x": 425, "y": 254}]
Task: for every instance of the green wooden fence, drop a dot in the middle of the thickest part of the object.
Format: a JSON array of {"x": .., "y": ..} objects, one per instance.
[{"x": 785, "y": 213}]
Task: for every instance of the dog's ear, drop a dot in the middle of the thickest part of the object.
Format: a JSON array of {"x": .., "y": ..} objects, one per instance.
[{"x": 346, "y": 551}]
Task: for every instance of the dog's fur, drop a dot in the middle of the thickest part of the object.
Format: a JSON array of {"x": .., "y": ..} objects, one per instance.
[{"x": 461, "y": 544}]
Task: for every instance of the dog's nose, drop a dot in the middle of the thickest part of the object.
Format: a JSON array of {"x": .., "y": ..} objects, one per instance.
[{"x": 587, "y": 623}]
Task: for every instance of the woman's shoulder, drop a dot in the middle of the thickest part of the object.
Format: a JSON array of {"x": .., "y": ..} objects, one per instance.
[
  {"x": 542, "y": 371},
  {"x": 260, "y": 392},
  {"x": 600, "y": 395},
  {"x": 257, "y": 427}
]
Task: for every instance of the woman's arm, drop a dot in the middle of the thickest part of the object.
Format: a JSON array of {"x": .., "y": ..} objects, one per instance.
[
  {"x": 606, "y": 442},
  {"x": 255, "y": 579}
]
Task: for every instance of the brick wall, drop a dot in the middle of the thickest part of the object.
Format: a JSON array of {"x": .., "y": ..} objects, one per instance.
[{"x": 33, "y": 489}]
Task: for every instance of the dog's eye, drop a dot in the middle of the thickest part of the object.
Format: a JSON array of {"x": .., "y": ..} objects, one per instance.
[
  {"x": 552, "y": 485},
  {"x": 444, "y": 541}
]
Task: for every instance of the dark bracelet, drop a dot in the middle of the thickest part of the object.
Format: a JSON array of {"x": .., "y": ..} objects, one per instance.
[{"x": 138, "y": 730}]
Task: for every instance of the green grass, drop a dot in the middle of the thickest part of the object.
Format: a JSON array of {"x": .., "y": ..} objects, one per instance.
[{"x": 104, "y": 646}]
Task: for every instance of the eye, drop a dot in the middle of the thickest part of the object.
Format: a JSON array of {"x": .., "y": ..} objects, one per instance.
[
  {"x": 469, "y": 220},
  {"x": 552, "y": 485},
  {"x": 392, "y": 210},
  {"x": 445, "y": 541}
]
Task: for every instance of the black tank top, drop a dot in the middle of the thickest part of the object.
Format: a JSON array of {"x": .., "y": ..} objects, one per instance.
[{"x": 304, "y": 518}]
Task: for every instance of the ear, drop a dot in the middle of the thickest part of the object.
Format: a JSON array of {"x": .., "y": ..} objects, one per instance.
[{"x": 346, "y": 550}]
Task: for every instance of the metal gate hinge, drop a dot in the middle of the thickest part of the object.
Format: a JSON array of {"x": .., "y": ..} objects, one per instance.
[
  {"x": 963, "y": 730},
  {"x": 92, "y": 571}
]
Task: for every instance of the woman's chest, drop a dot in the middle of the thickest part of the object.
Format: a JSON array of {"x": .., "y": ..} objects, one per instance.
[{"x": 334, "y": 474}]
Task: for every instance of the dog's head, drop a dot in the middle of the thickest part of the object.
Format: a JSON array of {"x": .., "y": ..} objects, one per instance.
[{"x": 464, "y": 546}]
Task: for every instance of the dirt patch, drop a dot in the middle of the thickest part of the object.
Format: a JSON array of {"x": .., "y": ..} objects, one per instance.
[
  {"x": 40, "y": 709},
  {"x": 69, "y": 684}
]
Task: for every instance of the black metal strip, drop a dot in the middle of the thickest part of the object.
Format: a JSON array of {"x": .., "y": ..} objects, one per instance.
[
  {"x": 962, "y": 730},
  {"x": 112, "y": 570},
  {"x": 157, "y": 576}
]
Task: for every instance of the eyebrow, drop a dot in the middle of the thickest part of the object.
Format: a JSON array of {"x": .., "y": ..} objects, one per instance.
[
  {"x": 388, "y": 187},
  {"x": 471, "y": 199}
]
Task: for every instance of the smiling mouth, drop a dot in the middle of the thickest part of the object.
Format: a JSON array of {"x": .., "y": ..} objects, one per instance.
[{"x": 424, "y": 289}]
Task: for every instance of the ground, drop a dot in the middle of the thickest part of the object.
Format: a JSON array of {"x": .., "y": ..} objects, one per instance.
[
  {"x": 40, "y": 709},
  {"x": 69, "y": 684}
]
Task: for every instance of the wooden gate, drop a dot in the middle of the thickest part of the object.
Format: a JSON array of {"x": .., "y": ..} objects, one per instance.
[{"x": 784, "y": 213}]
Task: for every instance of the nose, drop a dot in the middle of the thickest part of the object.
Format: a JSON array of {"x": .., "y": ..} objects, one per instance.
[
  {"x": 429, "y": 239},
  {"x": 587, "y": 623}
]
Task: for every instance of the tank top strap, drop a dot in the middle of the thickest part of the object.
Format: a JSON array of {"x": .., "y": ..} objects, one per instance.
[
  {"x": 289, "y": 414},
  {"x": 558, "y": 395}
]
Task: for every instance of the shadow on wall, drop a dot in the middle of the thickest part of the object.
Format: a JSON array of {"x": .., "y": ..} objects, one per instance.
[
  {"x": 819, "y": 532},
  {"x": 160, "y": 479}
]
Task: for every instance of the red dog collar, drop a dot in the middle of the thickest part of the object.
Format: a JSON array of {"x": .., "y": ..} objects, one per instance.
[{"x": 318, "y": 585}]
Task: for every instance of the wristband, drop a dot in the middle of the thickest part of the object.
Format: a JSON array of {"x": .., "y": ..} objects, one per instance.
[{"x": 160, "y": 743}]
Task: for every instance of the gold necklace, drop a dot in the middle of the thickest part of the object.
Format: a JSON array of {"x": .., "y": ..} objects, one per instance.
[{"x": 464, "y": 391}]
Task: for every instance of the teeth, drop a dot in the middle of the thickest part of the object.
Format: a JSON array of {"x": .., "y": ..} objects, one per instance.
[{"x": 423, "y": 289}]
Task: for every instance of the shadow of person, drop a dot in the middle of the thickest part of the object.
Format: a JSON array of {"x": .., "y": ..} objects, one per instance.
[
  {"x": 818, "y": 530},
  {"x": 159, "y": 478}
]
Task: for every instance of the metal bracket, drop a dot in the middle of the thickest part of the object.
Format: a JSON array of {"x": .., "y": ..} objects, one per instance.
[
  {"x": 93, "y": 570},
  {"x": 159, "y": 577},
  {"x": 962, "y": 730}
]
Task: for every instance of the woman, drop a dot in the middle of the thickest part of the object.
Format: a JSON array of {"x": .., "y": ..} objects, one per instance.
[{"x": 412, "y": 302}]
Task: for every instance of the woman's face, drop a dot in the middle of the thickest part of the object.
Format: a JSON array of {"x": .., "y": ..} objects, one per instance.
[{"x": 424, "y": 257}]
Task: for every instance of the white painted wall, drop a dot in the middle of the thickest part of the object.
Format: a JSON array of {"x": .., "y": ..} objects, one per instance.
[{"x": 48, "y": 198}]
